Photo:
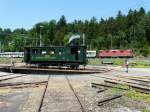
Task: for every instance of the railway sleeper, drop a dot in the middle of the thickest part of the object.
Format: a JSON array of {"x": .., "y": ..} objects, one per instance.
[
  {"x": 138, "y": 88},
  {"x": 108, "y": 99},
  {"x": 101, "y": 90},
  {"x": 20, "y": 87},
  {"x": 22, "y": 84}
]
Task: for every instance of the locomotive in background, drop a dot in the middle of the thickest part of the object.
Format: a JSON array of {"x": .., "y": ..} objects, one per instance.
[
  {"x": 110, "y": 54},
  {"x": 89, "y": 54},
  {"x": 72, "y": 55}
]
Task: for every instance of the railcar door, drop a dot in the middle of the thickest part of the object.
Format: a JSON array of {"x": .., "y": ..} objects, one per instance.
[
  {"x": 27, "y": 55},
  {"x": 74, "y": 52}
]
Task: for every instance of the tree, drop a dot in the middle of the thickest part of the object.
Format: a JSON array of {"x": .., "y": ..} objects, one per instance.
[
  {"x": 61, "y": 24},
  {"x": 131, "y": 31}
]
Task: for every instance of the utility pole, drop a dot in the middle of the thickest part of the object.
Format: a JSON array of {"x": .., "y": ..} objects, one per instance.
[
  {"x": 83, "y": 39},
  {"x": 130, "y": 35},
  {"x": 111, "y": 41},
  {"x": 134, "y": 33},
  {"x": 0, "y": 46},
  {"x": 41, "y": 35},
  {"x": 36, "y": 35}
]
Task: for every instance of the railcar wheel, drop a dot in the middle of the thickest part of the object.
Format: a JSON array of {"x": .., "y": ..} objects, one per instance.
[{"x": 74, "y": 66}]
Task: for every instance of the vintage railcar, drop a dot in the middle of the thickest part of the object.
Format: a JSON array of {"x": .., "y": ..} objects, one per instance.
[
  {"x": 115, "y": 54},
  {"x": 70, "y": 56},
  {"x": 11, "y": 54},
  {"x": 90, "y": 54}
]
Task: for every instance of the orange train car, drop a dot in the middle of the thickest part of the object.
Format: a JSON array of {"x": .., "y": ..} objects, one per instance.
[{"x": 115, "y": 54}]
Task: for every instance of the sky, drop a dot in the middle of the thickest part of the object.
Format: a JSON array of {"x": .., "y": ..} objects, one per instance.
[{"x": 26, "y": 13}]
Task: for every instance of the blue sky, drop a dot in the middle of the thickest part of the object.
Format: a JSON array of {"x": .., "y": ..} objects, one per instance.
[{"x": 26, "y": 13}]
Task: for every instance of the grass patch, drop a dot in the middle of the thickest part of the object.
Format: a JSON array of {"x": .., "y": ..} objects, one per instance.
[
  {"x": 117, "y": 61},
  {"x": 117, "y": 91},
  {"x": 133, "y": 63},
  {"x": 130, "y": 93},
  {"x": 97, "y": 61},
  {"x": 8, "y": 60},
  {"x": 138, "y": 96},
  {"x": 140, "y": 66},
  {"x": 145, "y": 110},
  {"x": 94, "y": 61}
]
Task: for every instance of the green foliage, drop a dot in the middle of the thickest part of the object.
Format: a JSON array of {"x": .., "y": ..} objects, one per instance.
[
  {"x": 120, "y": 62},
  {"x": 131, "y": 31},
  {"x": 8, "y": 60},
  {"x": 140, "y": 64},
  {"x": 117, "y": 61},
  {"x": 66, "y": 38},
  {"x": 146, "y": 50},
  {"x": 94, "y": 61},
  {"x": 117, "y": 91},
  {"x": 145, "y": 110},
  {"x": 138, "y": 96}
]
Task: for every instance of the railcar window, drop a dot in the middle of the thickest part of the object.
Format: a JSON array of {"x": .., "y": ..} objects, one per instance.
[
  {"x": 59, "y": 52},
  {"x": 43, "y": 51},
  {"x": 35, "y": 51},
  {"x": 52, "y": 51},
  {"x": 78, "y": 51},
  {"x": 74, "y": 50}
]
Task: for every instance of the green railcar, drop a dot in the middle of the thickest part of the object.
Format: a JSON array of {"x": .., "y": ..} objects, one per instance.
[{"x": 68, "y": 55}]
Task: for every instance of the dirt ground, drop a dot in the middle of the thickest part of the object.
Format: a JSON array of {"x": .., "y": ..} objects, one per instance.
[{"x": 60, "y": 98}]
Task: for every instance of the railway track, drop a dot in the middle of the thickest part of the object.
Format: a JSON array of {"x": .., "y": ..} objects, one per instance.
[
  {"x": 126, "y": 80},
  {"x": 60, "y": 92},
  {"x": 12, "y": 76},
  {"x": 140, "y": 85},
  {"x": 21, "y": 84},
  {"x": 75, "y": 94},
  {"x": 6, "y": 75},
  {"x": 111, "y": 82},
  {"x": 43, "y": 95}
]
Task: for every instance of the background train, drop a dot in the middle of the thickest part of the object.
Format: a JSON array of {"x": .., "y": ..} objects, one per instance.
[
  {"x": 89, "y": 54},
  {"x": 11, "y": 54},
  {"x": 110, "y": 54}
]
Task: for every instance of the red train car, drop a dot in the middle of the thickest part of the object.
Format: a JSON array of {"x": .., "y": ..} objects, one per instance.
[{"x": 115, "y": 54}]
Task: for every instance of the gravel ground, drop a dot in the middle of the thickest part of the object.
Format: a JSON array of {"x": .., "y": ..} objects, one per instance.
[
  {"x": 10, "y": 75},
  {"x": 89, "y": 95},
  {"x": 3, "y": 73},
  {"x": 11, "y": 104},
  {"x": 32, "y": 103},
  {"x": 90, "y": 98},
  {"x": 28, "y": 78},
  {"x": 132, "y": 71},
  {"x": 20, "y": 100},
  {"x": 60, "y": 98}
]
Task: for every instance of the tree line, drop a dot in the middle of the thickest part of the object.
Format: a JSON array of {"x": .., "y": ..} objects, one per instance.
[{"x": 131, "y": 31}]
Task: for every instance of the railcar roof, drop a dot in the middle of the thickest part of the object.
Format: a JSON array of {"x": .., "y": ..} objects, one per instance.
[{"x": 52, "y": 46}]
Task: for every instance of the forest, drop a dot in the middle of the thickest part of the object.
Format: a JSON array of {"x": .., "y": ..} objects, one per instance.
[{"x": 130, "y": 31}]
